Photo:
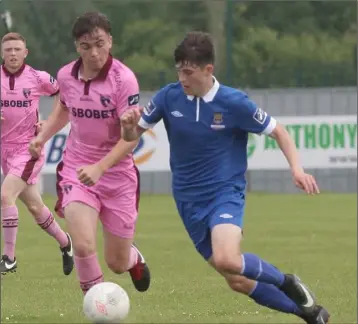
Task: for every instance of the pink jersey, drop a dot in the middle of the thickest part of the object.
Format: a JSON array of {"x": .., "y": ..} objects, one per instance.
[
  {"x": 94, "y": 108},
  {"x": 20, "y": 96}
]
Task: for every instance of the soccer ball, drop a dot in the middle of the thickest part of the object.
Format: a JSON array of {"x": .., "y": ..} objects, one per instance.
[{"x": 106, "y": 302}]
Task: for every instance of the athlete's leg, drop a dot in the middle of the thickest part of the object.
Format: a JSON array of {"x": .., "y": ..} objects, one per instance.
[
  {"x": 20, "y": 169},
  {"x": 11, "y": 187},
  {"x": 80, "y": 207},
  {"x": 266, "y": 294},
  {"x": 226, "y": 233},
  {"x": 32, "y": 199},
  {"x": 81, "y": 221},
  {"x": 119, "y": 216}
]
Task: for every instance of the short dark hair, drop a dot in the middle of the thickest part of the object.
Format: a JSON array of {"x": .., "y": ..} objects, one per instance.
[
  {"x": 90, "y": 21},
  {"x": 196, "y": 48}
]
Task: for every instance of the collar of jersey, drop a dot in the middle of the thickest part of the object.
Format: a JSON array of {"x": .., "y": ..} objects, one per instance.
[
  {"x": 16, "y": 74},
  {"x": 211, "y": 93},
  {"x": 101, "y": 75}
]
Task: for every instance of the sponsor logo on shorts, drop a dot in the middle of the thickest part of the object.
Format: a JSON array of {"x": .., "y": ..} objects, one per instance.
[
  {"x": 128, "y": 226},
  {"x": 67, "y": 189},
  {"x": 226, "y": 216}
]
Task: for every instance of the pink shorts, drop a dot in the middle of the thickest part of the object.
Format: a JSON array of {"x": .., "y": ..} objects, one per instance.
[
  {"x": 115, "y": 197},
  {"x": 18, "y": 161}
]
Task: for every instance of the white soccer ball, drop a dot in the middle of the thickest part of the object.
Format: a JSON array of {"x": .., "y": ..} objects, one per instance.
[{"x": 106, "y": 302}]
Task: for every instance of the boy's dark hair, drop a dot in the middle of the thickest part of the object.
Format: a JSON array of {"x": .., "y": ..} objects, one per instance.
[
  {"x": 196, "y": 48},
  {"x": 88, "y": 22}
]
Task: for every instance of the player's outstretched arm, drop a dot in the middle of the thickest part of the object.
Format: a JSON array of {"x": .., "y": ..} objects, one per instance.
[
  {"x": 288, "y": 147},
  {"x": 302, "y": 180},
  {"x": 252, "y": 119}
]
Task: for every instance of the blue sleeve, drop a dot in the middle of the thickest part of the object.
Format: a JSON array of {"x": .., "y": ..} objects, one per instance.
[
  {"x": 249, "y": 117},
  {"x": 153, "y": 111}
]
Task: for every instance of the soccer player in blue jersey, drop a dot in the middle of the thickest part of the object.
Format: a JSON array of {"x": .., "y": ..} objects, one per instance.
[{"x": 208, "y": 126}]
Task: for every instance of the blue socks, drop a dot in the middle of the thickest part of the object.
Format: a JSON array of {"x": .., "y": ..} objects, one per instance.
[
  {"x": 256, "y": 269},
  {"x": 272, "y": 297},
  {"x": 269, "y": 279}
]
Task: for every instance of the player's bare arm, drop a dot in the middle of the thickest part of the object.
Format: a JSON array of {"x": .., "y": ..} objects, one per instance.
[
  {"x": 130, "y": 131},
  {"x": 90, "y": 174},
  {"x": 57, "y": 120},
  {"x": 302, "y": 180}
]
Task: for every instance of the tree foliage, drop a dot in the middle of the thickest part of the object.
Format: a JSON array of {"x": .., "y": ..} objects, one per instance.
[{"x": 273, "y": 43}]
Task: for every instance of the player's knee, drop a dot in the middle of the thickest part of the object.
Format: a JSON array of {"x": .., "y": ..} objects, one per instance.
[
  {"x": 84, "y": 248},
  {"x": 227, "y": 263},
  {"x": 7, "y": 199},
  {"x": 117, "y": 264},
  {"x": 240, "y": 284}
]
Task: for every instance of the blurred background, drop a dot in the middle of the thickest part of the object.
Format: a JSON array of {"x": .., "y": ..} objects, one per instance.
[{"x": 295, "y": 58}]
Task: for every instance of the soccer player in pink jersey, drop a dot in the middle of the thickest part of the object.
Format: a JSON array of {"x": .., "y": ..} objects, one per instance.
[
  {"x": 21, "y": 88},
  {"x": 97, "y": 178}
]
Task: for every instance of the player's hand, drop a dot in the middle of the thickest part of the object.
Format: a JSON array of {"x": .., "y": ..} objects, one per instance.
[
  {"x": 36, "y": 146},
  {"x": 89, "y": 174},
  {"x": 306, "y": 182},
  {"x": 40, "y": 125},
  {"x": 2, "y": 117},
  {"x": 130, "y": 119}
]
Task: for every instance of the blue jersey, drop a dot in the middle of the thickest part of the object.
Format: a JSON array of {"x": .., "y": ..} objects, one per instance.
[{"x": 207, "y": 137}]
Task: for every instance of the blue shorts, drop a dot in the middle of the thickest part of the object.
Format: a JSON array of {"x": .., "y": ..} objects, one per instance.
[{"x": 200, "y": 217}]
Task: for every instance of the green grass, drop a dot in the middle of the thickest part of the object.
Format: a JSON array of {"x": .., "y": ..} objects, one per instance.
[{"x": 314, "y": 237}]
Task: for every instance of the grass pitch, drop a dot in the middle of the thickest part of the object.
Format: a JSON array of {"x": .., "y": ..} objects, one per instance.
[{"x": 314, "y": 237}]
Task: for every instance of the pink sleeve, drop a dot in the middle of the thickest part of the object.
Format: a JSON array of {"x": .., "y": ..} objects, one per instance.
[
  {"x": 48, "y": 85},
  {"x": 61, "y": 88},
  {"x": 128, "y": 94}
]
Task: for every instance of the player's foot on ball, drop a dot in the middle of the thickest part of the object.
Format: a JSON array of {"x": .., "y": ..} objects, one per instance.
[
  {"x": 319, "y": 316},
  {"x": 140, "y": 273},
  {"x": 7, "y": 265},
  {"x": 67, "y": 257},
  {"x": 299, "y": 293}
]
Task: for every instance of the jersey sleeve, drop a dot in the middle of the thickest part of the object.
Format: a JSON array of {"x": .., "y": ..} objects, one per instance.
[
  {"x": 128, "y": 95},
  {"x": 251, "y": 118},
  {"x": 61, "y": 88},
  {"x": 153, "y": 111},
  {"x": 49, "y": 85}
]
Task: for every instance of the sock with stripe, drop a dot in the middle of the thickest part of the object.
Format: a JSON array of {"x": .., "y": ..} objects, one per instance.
[
  {"x": 89, "y": 271},
  {"x": 257, "y": 269},
  {"x": 10, "y": 221},
  {"x": 48, "y": 223}
]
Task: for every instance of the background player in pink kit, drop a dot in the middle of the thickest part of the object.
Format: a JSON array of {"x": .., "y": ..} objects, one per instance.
[
  {"x": 21, "y": 88},
  {"x": 97, "y": 178}
]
